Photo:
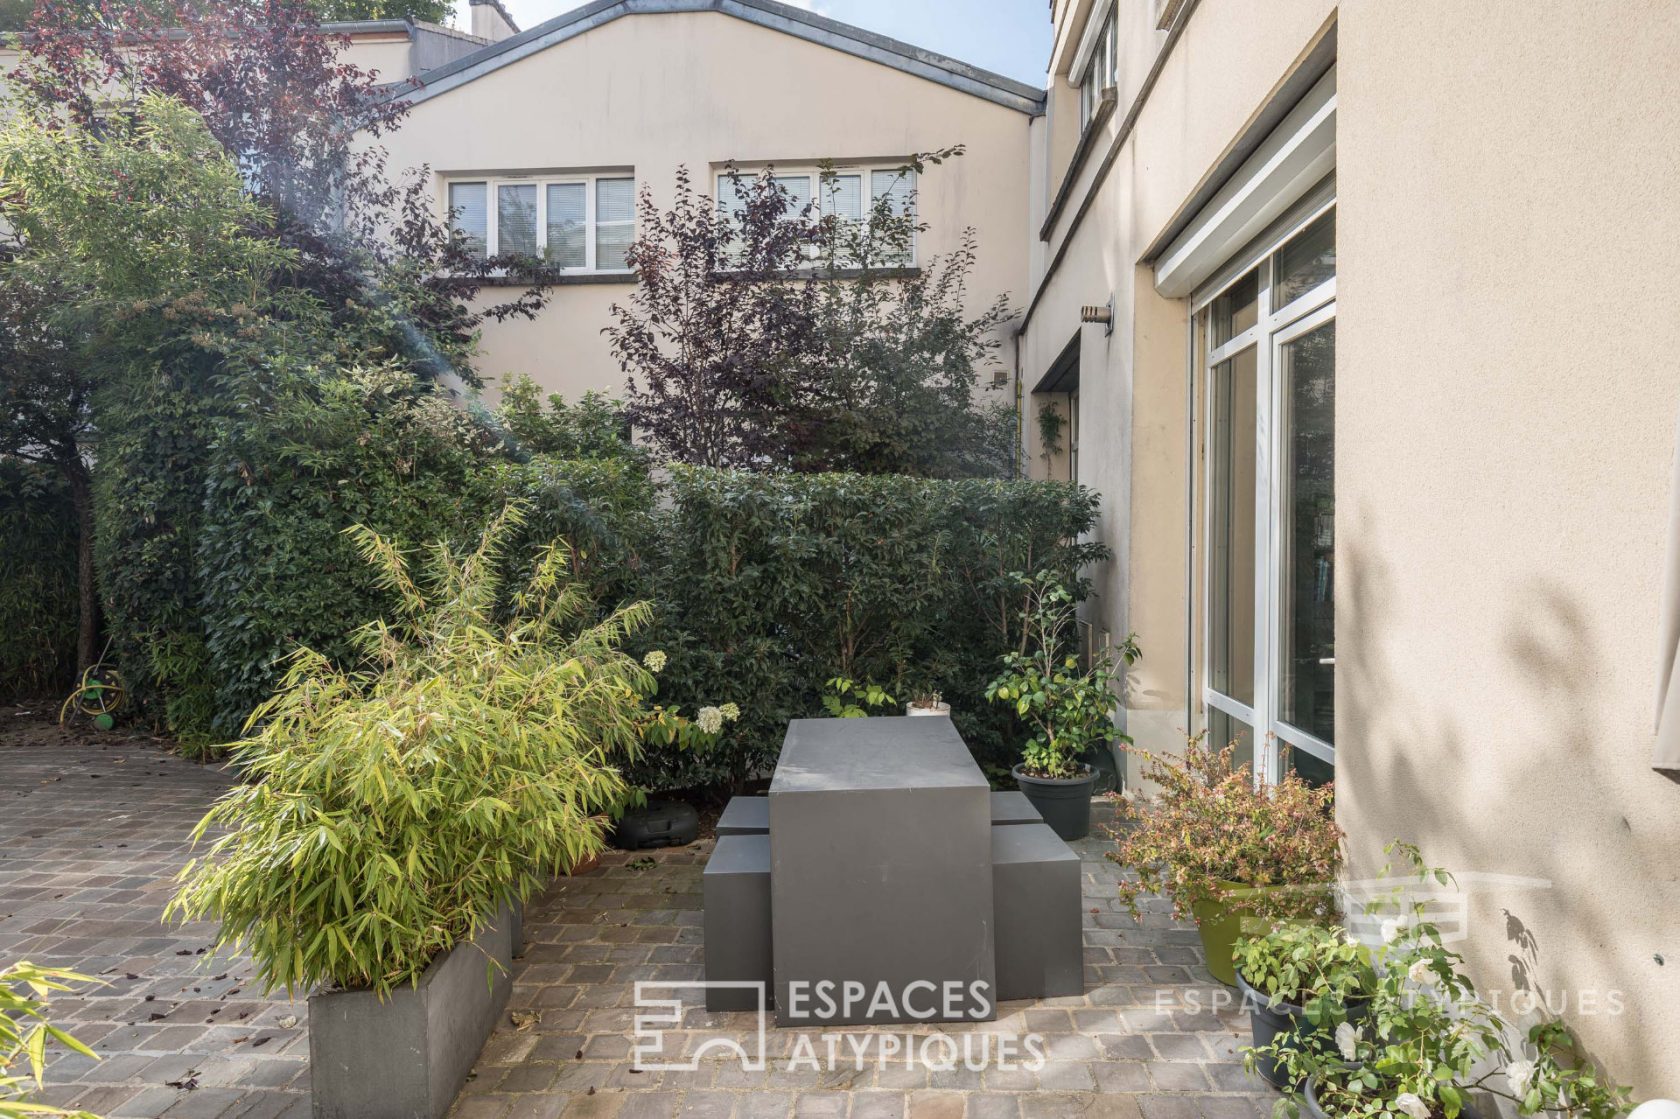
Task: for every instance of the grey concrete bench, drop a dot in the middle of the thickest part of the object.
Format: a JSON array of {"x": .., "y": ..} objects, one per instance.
[
  {"x": 1035, "y": 897},
  {"x": 1013, "y": 807},
  {"x": 745, "y": 816},
  {"x": 751, "y": 815},
  {"x": 735, "y": 890}
]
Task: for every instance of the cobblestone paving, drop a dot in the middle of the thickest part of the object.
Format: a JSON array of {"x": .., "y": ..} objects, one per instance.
[
  {"x": 93, "y": 831},
  {"x": 1148, "y": 1040}
]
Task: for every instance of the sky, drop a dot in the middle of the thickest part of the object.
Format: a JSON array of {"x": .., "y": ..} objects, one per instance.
[{"x": 1011, "y": 37}]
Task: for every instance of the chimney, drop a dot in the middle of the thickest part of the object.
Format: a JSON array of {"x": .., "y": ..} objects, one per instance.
[{"x": 491, "y": 21}]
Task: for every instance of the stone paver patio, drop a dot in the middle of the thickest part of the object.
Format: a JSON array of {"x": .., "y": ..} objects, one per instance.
[{"x": 91, "y": 834}]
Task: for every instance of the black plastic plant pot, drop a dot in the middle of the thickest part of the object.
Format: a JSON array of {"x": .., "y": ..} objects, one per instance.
[
  {"x": 1312, "y": 1109},
  {"x": 1286, "y": 1021},
  {"x": 1064, "y": 802}
]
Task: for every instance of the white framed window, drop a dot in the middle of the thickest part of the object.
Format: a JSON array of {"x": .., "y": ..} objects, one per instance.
[
  {"x": 578, "y": 223},
  {"x": 1265, "y": 332},
  {"x": 848, "y": 193},
  {"x": 1096, "y": 65}
]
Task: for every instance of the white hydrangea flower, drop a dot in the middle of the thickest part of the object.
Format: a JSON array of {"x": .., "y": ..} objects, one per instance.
[
  {"x": 1422, "y": 974},
  {"x": 709, "y": 720},
  {"x": 655, "y": 661},
  {"x": 730, "y": 711},
  {"x": 1412, "y": 1105},
  {"x": 1518, "y": 1073},
  {"x": 1347, "y": 1040},
  {"x": 1392, "y": 929}
]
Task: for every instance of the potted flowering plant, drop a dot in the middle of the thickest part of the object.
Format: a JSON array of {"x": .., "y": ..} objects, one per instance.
[
  {"x": 1227, "y": 852},
  {"x": 1299, "y": 982},
  {"x": 1429, "y": 1042},
  {"x": 1070, "y": 709}
]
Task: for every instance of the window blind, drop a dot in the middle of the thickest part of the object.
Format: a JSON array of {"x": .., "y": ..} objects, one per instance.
[
  {"x": 468, "y": 205},
  {"x": 516, "y": 218},
  {"x": 568, "y": 206},
  {"x": 615, "y": 221}
]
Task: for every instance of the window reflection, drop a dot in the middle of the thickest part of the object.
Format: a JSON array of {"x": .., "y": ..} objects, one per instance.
[{"x": 1307, "y": 685}]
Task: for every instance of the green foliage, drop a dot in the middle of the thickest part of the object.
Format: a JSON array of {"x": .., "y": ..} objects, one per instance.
[
  {"x": 37, "y": 582},
  {"x": 1069, "y": 708},
  {"x": 307, "y": 457},
  {"x": 401, "y": 803},
  {"x": 427, "y": 11},
  {"x": 24, "y": 1033},
  {"x": 1210, "y": 834},
  {"x": 780, "y": 583},
  {"x": 1417, "y": 1052},
  {"x": 844, "y": 698},
  {"x": 593, "y": 428},
  {"x": 1314, "y": 967},
  {"x": 101, "y": 213},
  {"x": 148, "y": 294}
]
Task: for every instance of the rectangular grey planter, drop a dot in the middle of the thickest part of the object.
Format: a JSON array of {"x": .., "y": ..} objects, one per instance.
[{"x": 407, "y": 1057}]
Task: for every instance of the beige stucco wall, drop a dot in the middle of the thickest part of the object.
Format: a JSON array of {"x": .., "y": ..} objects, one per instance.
[
  {"x": 1133, "y": 383},
  {"x": 1508, "y": 212},
  {"x": 651, "y": 92},
  {"x": 1507, "y": 386}
]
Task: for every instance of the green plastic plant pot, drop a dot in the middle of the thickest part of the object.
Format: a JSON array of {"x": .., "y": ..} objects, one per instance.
[{"x": 1221, "y": 923}]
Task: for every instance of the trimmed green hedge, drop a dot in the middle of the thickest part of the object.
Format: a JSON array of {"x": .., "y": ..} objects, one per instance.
[
  {"x": 222, "y": 550},
  {"x": 38, "y": 600},
  {"x": 769, "y": 585}
]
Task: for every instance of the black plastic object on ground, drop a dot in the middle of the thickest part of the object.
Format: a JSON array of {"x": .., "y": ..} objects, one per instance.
[{"x": 663, "y": 823}]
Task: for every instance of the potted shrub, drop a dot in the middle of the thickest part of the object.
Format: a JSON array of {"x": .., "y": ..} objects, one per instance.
[
  {"x": 403, "y": 806},
  {"x": 1069, "y": 708},
  {"x": 927, "y": 703},
  {"x": 1428, "y": 1044},
  {"x": 1228, "y": 853},
  {"x": 1299, "y": 982}
]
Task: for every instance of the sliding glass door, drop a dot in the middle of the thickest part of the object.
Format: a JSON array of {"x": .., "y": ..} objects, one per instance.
[{"x": 1267, "y": 330}]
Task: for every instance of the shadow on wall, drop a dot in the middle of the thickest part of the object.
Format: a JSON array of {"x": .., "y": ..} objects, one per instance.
[{"x": 1468, "y": 794}]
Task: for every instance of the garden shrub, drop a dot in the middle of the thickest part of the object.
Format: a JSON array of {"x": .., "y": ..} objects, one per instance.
[
  {"x": 38, "y": 604},
  {"x": 148, "y": 503},
  {"x": 469, "y": 755},
  {"x": 311, "y": 456},
  {"x": 317, "y": 454},
  {"x": 777, "y": 584}
]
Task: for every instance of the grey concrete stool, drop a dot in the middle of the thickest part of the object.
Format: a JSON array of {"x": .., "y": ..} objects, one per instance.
[
  {"x": 746, "y": 816},
  {"x": 1035, "y": 891},
  {"x": 1012, "y": 807},
  {"x": 735, "y": 891}
]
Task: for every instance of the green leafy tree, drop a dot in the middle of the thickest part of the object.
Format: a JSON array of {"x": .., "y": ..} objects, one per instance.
[{"x": 101, "y": 263}]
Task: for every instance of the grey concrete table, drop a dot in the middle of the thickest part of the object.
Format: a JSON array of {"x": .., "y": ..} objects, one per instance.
[{"x": 881, "y": 876}]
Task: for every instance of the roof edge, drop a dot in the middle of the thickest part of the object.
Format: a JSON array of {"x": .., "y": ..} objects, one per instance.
[{"x": 771, "y": 14}]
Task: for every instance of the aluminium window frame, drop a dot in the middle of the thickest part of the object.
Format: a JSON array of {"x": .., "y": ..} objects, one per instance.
[
  {"x": 542, "y": 181},
  {"x": 1098, "y": 57},
  {"x": 816, "y": 176},
  {"x": 1274, "y": 328}
]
